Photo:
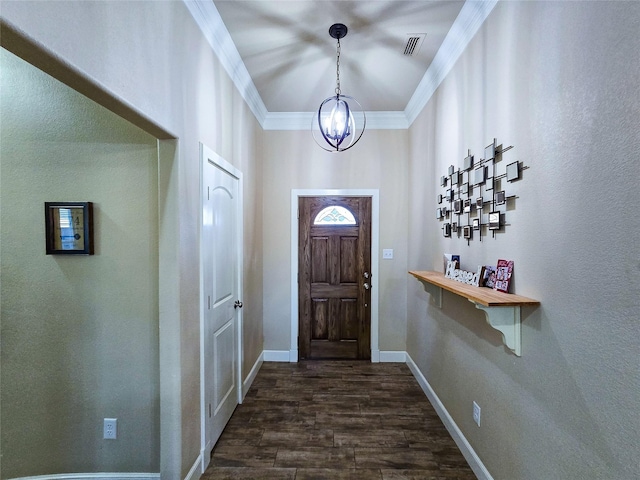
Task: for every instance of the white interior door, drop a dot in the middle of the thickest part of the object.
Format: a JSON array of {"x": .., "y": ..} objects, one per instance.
[{"x": 221, "y": 270}]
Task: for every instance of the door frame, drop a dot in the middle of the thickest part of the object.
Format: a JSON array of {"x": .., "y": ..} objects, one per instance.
[
  {"x": 205, "y": 154},
  {"x": 375, "y": 241}
]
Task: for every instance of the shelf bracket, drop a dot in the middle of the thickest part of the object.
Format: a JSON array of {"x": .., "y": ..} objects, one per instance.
[
  {"x": 507, "y": 321},
  {"x": 435, "y": 292}
]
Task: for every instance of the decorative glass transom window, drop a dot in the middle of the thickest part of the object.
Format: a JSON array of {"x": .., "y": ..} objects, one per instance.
[{"x": 334, "y": 215}]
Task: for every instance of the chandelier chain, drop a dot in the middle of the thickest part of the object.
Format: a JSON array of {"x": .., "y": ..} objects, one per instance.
[{"x": 338, "y": 69}]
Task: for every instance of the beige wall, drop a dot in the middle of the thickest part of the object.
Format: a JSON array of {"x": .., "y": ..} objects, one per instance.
[
  {"x": 156, "y": 67},
  {"x": 79, "y": 334},
  {"x": 559, "y": 82},
  {"x": 292, "y": 160}
]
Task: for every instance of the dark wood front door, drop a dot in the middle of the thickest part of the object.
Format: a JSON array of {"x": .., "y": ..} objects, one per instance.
[{"x": 334, "y": 285}]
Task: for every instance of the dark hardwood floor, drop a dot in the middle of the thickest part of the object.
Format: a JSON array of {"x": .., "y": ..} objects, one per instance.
[{"x": 336, "y": 420}]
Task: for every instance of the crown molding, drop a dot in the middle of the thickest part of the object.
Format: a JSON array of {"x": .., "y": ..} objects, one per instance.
[
  {"x": 208, "y": 19},
  {"x": 471, "y": 17}
]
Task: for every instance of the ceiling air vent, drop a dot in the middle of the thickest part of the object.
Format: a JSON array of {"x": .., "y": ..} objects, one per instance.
[{"x": 414, "y": 42}]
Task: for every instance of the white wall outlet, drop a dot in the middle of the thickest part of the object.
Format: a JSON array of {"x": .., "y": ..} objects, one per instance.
[
  {"x": 387, "y": 253},
  {"x": 476, "y": 413},
  {"x": 110, "y": 431}
]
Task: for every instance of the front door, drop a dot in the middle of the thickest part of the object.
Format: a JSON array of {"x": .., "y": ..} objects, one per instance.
[
  {"x": 221, "y": 297},
  {"x": 334, "y": 263}
]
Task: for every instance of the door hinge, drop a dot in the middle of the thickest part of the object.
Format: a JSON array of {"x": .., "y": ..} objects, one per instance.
[
  {"x": 209, "y": 302},
  {"x": 208, "y": 198},
  {"x": 209, "y": 410}
]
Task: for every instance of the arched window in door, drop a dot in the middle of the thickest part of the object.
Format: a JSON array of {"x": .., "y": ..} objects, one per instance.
[{"x": 335, "y": 215}]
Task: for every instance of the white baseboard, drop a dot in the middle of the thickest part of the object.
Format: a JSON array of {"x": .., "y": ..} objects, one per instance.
[
  {"x": 393, "y": 357},
  {"x": 276, "y": 355},
  {"x": 465, "y": 447},
  {"x": 246, "y": 385},
  {"x": 196, "y": 470},
  {"x": 94, "y": 476}
]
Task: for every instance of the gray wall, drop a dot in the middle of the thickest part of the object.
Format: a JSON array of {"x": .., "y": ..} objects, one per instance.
[
  {"x": 559, "y": 82},
  {"x": 150, "y": 62},
  {"x": 79, "y": 334}
]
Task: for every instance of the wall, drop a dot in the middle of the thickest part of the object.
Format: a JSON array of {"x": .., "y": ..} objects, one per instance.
[
  {"x": 292, "y": 160},
  {"x": 149, "y": 61},
  {"x": 79, "y": 334},
  {"x": 559, "y": 82}
]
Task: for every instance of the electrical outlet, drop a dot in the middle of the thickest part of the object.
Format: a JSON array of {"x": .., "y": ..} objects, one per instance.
[
  {"x": 110, "y": 428},
  {"x": 387, "y": 253},
  {"x": 476, "y": 413}
]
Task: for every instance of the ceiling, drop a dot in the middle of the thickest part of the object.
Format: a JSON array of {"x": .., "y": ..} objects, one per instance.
[{"x": 280, "y": 53}]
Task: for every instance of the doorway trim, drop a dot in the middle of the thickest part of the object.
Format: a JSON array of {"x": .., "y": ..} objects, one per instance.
[{"x": 375, "y": 240}]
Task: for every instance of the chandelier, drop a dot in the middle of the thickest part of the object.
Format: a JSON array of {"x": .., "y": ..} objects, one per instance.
[{"x": 335, "y": 128}]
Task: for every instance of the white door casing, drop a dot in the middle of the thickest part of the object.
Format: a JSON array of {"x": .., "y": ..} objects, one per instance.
[{"x": 221, "y": 294}]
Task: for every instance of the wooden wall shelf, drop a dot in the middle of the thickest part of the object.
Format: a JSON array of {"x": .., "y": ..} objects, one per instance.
[{"x": 502, "y": 310}]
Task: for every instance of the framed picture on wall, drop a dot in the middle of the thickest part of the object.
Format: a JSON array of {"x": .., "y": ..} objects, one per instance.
[
  {"x": 451, "y": 170},
  {"x": 513, "y": 172},
  {"x": 466, "y": 231},
  {"x": 446, "y": 230},
  {"x": 457, "y": 206},
  {"x": 439, "y": 199},
  {"x": 455, "y": 178},
  {"x": 501, "y": 198},
  {"x": 479, "y": 175},
  {"x": 468, "y": 162},
  {"x": 488, "y": 184},
  {"x": 494, "y": 221},
  {"x": 479, "y": 203},
  {"x": 439, "y": 213},
  {"x": 467, "y": 206},
  {"x": 464, "y": 190},
  {"x": 454, "y": 227},
  {"x": 443, "y": 181},
  {"x": 476, "y": 224},
  {"x": 68, "y": 228},
  {"x": 490, "y": 151}
]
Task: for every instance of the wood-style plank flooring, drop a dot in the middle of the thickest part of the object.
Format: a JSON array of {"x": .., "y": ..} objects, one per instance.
[{"x": 336, "y": 420}]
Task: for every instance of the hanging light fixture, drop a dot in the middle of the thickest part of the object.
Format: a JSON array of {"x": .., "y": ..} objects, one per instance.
[{"x": 334, "y": 128}]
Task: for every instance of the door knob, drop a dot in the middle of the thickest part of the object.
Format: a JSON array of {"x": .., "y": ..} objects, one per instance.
[
  {"x": 366, "y": 286},
  {"x": 366, "y": 274},
  {"x": 238, "y": 304}
]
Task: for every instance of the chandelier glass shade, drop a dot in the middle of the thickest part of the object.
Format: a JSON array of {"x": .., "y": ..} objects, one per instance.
[{"x": 340, "y": 121}]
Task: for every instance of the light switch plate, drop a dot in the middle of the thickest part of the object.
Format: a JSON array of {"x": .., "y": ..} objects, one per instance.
[{"x": 387, "y": 253}]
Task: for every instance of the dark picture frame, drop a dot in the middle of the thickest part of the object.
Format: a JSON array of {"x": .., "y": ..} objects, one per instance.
[
  {"x": 467, "y": 232},
  {"x": 68, "y": 228},
  {"x": 501, "y": 198}
]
